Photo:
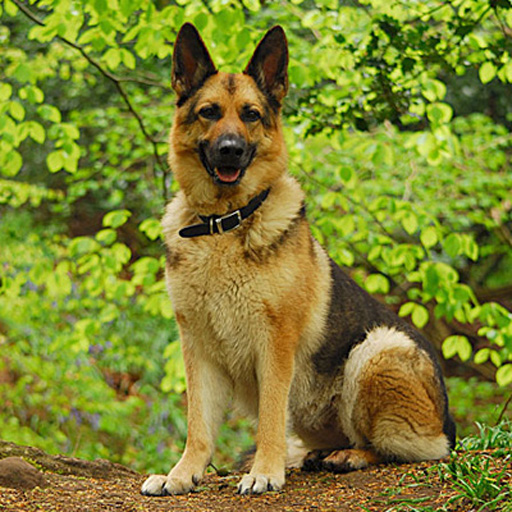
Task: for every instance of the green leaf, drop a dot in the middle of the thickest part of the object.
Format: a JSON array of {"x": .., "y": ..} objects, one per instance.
[
  {"x": 50, "y": 113},
  {"x": 346, "y": 173},
  {"x": 12, "y": 164},
  {"x": 410, "y": 222},
  {"x": 470, "y": 247},
  {"x": 383, "y": 155},
  {"x": 23, "y": 73},
  {"x": 377, "y": 283},
  {"x": 482, "y": 356},
  {"x": 106, "y": 236},
  {"x": 112, "y": 57},
  {"x": 10, "y": 8},
  {"x": 100, "y": 6},
  {"x": 433, "y": 90},
  {"x": 429, "y": 237},
  {"x": 37, "y": 132},
  {"x": 487, "y": 72},
  {"x": 201, "y": 21},
  {"x": 504, "y": 375},
  {"x": 109, "y": 313},
  {"x": 449, "y": 347},
  {"x": 116, "y": 218},
  {"x": 5, "y": 91},
  {"x": 345, "y": 257},
  {"x": 464, "y": 349},
  {"x": 166, "y": 307},
  {"x": 406, "y": 309},
  {"x": 122, "y": 253},
  {"x": 439, "y": 113},
  {"x": 151, "y": 228},
  {"x": 146, "y": 265},
  {"x": 31, "y": 93},
  {"x": 345, "y": 225},
  {"x": 128, "y": 59},
  {"x": 174, "y": 379},
  {"x": 55, "y": 161},
  {"x": 252, "y": 5},
  {"x": 452, "y": 245},
  {"x": 127, "y": 7},
  {"x": 419, "y": 316},
  {"x": 457, "y": 344},
  {"x": 495, "y": 358},
  {"x": 508, "y": 71},
  {"x": 17, "y": 110},
  {"x": 82, "y": 245}
]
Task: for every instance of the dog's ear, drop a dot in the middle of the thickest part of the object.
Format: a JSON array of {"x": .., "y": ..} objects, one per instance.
[
  {"x": 269, "y": 64},
  {"x": 191, "y": 62}
]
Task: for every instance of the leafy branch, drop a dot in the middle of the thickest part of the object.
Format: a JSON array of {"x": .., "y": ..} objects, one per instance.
[{"x": 117, "y": 81}]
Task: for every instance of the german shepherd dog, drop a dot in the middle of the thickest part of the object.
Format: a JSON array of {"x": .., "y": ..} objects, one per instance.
[{"x": 265, "y": 316}]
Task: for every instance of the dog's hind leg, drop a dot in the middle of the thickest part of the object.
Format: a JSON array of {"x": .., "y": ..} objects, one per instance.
[{"x": 392, "y": 404}]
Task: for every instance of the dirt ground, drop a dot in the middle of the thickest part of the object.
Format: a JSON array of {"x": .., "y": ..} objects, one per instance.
[{"x": 65, "y": 485}]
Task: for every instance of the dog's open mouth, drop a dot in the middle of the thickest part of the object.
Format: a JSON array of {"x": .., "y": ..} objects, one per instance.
[{"x": 227, "y": 174}]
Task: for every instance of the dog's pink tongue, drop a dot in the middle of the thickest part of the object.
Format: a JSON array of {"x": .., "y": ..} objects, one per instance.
[{"x": 227, "y": 174}]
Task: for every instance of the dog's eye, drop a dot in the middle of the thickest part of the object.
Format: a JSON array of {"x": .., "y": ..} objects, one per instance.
[
  {"x": 212, "y": 113},
  {"x": 250, "y": 115}
]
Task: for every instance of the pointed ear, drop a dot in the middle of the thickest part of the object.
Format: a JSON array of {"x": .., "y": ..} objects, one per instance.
[
  {"x": 191, "y": 62},
  {"x": 269, "y": 64}
]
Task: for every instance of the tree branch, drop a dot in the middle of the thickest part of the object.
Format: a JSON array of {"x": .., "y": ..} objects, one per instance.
[{"x": 118, "y": 84}]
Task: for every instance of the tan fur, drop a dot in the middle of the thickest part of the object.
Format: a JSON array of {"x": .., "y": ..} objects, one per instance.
[
  {"x": 203, "y": 196},
  {"x": 252, "y": 308}
]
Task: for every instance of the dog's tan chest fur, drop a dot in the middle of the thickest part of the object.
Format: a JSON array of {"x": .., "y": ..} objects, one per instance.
[{"x": 233, "y": 292}]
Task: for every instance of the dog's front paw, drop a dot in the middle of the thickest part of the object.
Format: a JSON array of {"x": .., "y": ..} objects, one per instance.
[
  {"x": 257, "y": 484},
  {"x": 162, "y": 485},
  {"x": 154, "y": 485}
]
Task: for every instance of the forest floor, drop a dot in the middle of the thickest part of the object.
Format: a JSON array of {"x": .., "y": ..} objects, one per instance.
[{"x": 63, "y": 484}]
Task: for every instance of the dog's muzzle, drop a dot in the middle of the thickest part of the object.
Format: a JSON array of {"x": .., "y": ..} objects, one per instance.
[{"x": 227, "y": 158}]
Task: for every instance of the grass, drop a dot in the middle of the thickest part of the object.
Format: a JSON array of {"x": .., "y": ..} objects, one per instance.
[
  {"x": 480, "y": 480},
  {"x": 476, "y": 478},
  {"x": 497, "y": 437}
]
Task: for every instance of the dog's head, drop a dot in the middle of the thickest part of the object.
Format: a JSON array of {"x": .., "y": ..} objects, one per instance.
[{"x": 226, "y": 140}]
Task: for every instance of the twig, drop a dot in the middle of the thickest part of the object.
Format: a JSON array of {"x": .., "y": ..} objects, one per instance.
[
  {"x": 117, "y": 82},
  {"x": 143, "y": 81},
  {"x": 502, "y": 413}
]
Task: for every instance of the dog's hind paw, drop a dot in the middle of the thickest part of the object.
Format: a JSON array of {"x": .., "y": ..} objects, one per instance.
[
  {"x": 343, "y": 461},
  {"x": 258, "y": 484},
  {"x": 314, "y": 461}
]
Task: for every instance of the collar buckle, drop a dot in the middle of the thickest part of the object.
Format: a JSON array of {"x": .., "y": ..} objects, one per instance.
[{"x": 227, "y": 223}]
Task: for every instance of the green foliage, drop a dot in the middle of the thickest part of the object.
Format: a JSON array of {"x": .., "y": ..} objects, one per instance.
[
  {"x": 489, "y": 437},
  {"x": 478, "y": 481},
  {"x": 474, "y": 402},
  {"x": 405, "y": 166},
  {"x": 470, "y": 480}
]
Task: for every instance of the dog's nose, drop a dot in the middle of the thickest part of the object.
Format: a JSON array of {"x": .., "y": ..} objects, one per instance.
[{"x": 231, "y": 147}]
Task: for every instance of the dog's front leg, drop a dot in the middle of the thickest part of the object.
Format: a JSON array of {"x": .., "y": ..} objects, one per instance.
[
  {"x": 274, "y": 378},
  {"x": 207, "y": 393}
]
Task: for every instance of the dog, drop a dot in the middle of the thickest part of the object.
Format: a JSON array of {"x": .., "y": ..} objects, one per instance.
[{"x": 265, "y": 316}]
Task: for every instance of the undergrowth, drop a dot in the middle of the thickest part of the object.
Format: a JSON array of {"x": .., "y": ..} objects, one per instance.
[{"x": 477, "y": 477}]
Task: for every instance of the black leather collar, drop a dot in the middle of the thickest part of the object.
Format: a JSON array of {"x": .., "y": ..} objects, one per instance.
[{"x": 213, "y": 224}]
